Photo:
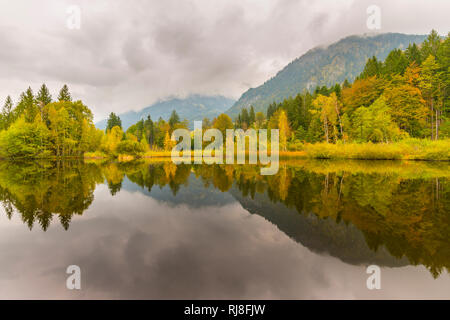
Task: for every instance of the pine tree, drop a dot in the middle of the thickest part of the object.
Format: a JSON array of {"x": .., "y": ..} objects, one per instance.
[
  {"x": 346, "y": 84},
  {"x": 373, "y": 68},
  {"x": 64, "y": 94},
  {"x": 251, "y": 116},
  {"x": 44, "y": 95},
  {"x": 7, "y": 113},
  {"x": 245, "y": 118},
  {"x": 149, "y": 130},
  {"x": 113, "y": 121},
  {"x": 174, "y": 119},
  {"x": 412, "y": 53},
  {"x": 430, "y": 45},
  {"x": 27, "y": 106},
  {"x": 395, "y": 63}
]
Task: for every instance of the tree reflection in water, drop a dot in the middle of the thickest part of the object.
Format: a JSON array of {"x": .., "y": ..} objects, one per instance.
[{"x": 400, "y": 206}]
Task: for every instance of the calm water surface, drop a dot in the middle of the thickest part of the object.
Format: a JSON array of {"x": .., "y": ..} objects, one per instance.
[{"x": 152, "y": 229}]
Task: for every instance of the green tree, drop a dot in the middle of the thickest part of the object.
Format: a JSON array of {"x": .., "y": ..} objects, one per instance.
[
  {"x": 149, "y": 130},
  {"x": 259, "y": 120},
  {"x": 113, "y": 120},
  {"x": 64, "y": 94},
  {"x": 252, "y": 116},
  {"x": 27, "y": 106},
  {"x": 372, "y": 68},
  {"x": 174, "y": 119},
  {"x": 25, "y": 139},
  {"x": 44, "y": 95},
  {"x": 375, "y": 124},
  {"x": 7, "y": 113},
  {"x": 395, "y": 63},
  {"x": 429, "y": 85},
  {"x": 412, "y": 53},
  {"x": 431, "y": 45}
]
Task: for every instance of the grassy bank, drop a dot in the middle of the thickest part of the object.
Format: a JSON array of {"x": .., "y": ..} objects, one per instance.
[{"x": 410, "y": 149}]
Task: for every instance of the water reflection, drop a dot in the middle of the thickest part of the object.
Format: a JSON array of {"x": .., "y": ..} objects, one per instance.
[{"x": 388, "y": 213}]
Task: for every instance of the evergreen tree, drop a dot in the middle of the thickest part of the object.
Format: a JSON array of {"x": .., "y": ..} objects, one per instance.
[
  {"x": 44, "y": 95},
  {"x": 251, "y": 116},
  {"x": 271, "y": 110},
  {"x": 149, "y": 130},
  {"x": 113, "y": 120},
  {"x": 64, "y": 94},
  {"x": 412, "y": 53},
  {"x": 245, "y": 118},
  {"x": 346, "y": 84},
  {"x": 7, "y": 113},
  {"x": 395, "y": 63},
  {"x": 174, "y": 119},
  {"x": 430, "y": 45},
  {"x": 27, "y": 106},
  {"x": 372, "y": 68}
]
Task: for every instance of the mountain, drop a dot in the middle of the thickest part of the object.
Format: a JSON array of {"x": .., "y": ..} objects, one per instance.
[
  {"x": 194, "y": 107},
  {"x": 342, "y": 60},
  {"x": 324, "y": 236}
]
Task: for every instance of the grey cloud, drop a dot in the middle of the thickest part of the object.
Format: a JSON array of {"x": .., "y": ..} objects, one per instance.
[{"x": 128, "y": 55}]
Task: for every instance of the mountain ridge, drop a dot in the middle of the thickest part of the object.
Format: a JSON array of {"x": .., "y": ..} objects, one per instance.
[
  {"x": 323, "y": 65},
  {"x": 193, "y": 107}
]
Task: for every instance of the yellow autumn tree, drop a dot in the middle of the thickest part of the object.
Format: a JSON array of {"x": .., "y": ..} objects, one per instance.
[
  {"x": 327, "y": 110},
  {"x": 168, "y": 143},
  {"x": 283, "y": 126},
  {"x": 111, "y": 140}
]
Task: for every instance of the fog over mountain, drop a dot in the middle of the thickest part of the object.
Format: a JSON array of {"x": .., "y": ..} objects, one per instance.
[
  {"x": 194, "y": 107},
  {"x": 323, "y": 65},
  {"x": 127, "y": 55}
]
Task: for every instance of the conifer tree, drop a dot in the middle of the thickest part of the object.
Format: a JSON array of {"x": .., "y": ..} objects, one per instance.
[
  {"x": 44, "y": 95},
  {"x": 64, "y": 94}
]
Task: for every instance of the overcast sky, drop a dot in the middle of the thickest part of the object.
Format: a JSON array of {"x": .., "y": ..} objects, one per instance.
[{"x": 128, "y": 54}]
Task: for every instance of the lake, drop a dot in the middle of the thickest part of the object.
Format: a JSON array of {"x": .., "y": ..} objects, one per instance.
[{"x": 155, "y": 230}]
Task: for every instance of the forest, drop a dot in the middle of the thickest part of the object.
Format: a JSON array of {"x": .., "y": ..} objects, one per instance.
[
  {"x": 406, "y": 96},
  {"x": 401, "y": 102}
]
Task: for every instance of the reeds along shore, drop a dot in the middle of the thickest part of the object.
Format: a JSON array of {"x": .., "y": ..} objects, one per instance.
[{"x": 410, "y": 149}]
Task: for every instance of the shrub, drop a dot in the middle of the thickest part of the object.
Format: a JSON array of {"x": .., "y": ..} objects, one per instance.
[{"x": 129, "y": 147}]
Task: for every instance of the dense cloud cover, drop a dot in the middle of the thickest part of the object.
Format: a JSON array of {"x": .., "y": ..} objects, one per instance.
[{"x": 128, "y": 54}]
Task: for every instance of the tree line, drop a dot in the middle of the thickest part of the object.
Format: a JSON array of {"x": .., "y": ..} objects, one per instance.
[{"x": 406, "y": 95}]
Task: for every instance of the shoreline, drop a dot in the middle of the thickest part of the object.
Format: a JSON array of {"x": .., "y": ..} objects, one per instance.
[{"x": 406, "y": 150}]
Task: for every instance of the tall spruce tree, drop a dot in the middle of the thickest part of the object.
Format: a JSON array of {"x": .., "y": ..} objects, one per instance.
[
  {"x": 44, "y": 95},
  {"x": 113, "y": 120},
  {"x": 251, "y": 116},
  {"x": 7, "y": 113},
  {"x": 174, "y": 119},
  {"x": 27, "y": 106},
  {"x": 64, "y": 94}
]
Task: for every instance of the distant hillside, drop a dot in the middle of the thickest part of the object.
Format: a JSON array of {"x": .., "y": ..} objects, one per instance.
[
  {"x": 342, "y": 60},
  {"x": 194, "y": 107}
]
